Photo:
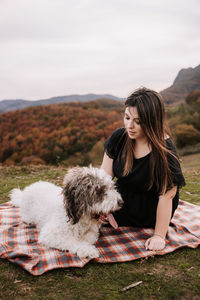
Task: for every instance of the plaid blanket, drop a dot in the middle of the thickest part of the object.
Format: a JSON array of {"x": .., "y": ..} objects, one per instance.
[{"x": 19, "y": 241}]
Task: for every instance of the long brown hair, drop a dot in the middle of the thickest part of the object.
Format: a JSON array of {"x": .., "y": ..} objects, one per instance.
[{"x": 151, "y": 111}]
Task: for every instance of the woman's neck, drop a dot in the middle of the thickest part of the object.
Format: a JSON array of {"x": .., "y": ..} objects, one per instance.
[{"x": 141, "y": 148}]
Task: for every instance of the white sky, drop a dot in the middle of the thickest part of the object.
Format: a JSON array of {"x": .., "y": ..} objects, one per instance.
[{"x": 61, "y": 47}]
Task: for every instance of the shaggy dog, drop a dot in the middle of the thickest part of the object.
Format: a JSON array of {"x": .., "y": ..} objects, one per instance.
[{"x": 69, "y": 218}]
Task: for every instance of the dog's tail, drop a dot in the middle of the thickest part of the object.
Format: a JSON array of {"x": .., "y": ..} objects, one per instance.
[{"x": 16, "y": 197}]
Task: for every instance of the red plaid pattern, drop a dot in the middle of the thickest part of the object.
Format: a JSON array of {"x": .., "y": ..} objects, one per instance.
[{"x": 19, "y": 241}]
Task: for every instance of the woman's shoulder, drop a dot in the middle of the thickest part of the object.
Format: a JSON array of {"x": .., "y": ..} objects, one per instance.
[
  {"x": 170, "y": 143},
  {"x": 114, "y": 143},
  {"x": 118, "y": 132}
]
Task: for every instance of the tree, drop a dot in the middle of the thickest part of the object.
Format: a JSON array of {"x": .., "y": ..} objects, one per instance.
[
  {"x": 193, "y": 99},
  {"x": 186, "y": 135}
]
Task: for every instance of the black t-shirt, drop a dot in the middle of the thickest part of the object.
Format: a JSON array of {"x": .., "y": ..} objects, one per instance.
[{"x": 140, "y": 203}]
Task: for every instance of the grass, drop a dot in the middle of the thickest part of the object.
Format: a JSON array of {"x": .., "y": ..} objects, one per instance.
[{"x": 172, "y": 276}]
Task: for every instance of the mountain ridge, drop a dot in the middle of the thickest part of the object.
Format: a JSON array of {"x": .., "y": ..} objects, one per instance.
[
  {"x": 10, "y": 105},
  {"x": 186, "y": 81}
]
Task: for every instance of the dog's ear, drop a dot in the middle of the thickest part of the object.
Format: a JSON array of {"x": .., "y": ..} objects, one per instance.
[
  {"x": 74, "y": 202},
  {"x": 81, "y": 191}
]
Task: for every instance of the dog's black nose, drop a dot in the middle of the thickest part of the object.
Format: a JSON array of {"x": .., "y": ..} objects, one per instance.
[{"x": 120, "y": 202}]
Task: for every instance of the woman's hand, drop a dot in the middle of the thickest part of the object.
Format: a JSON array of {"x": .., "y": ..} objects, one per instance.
[{"x": 156, "y": 242}]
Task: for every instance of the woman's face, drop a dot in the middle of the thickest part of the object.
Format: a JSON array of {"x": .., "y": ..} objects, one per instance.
[{"x": 132, "y": 123}]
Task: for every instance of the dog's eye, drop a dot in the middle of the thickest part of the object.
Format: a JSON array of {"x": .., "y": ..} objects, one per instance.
[
  {"x": 95, "y": 216},
  {"x": 100, "y": 190}
]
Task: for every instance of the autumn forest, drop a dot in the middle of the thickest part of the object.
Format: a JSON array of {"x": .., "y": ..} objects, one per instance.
[
  {"x": 56, "y": 133},
  {"x": 74, "y": 133}
]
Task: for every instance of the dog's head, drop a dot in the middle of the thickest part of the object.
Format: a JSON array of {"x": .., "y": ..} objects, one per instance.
[{"x": 89, "y": 191}]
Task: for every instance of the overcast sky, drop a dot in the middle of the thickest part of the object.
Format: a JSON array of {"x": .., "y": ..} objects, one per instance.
[{"x": 61, "y": 47}]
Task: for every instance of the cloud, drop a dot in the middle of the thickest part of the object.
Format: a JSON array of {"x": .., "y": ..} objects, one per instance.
[{"x": 59, "y": 47}]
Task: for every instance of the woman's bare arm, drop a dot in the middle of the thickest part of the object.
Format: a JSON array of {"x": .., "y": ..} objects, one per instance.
[
  {"x": 163, "y": 216},
  {"x": 164, "y": 211},
  {"x": 107, "y": 165}
]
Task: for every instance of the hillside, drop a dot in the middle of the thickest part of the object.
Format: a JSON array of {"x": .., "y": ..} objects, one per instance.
[
  {"x": 186, "y": 81},
  {"x": 10, "y": 105},
  {"x": 57, "y": 133}
]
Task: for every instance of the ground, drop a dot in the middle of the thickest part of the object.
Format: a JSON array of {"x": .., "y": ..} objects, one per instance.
[{"x": 172, "y": 276}]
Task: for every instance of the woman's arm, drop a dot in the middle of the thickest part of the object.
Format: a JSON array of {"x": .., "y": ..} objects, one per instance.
[
  {"x": 107, "y": 165},
  {"x": 164, "y": 212},
  {"x": 163, "y": 216}
]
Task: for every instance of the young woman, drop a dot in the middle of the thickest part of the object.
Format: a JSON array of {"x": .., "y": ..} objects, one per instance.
[{"x": 143, "y": 158}]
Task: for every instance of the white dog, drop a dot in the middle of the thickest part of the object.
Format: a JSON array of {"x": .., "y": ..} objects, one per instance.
[{"x": 69, "y": 218}]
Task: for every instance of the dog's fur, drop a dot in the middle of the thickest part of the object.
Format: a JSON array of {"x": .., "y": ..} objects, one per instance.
[{"x": 68, "y": 218}]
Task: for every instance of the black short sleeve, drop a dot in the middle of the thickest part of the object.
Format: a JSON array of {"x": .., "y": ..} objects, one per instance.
[
  {"x": 113, "y": 144},
  {"x": 174, "y": 165}
]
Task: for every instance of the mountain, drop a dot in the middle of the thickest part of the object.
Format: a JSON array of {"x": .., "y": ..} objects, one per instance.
[
  {"x": 9, "y": 105},
  {"x": 186, "y": 81}
]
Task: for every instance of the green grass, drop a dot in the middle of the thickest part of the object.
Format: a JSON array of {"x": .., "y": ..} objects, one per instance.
[
  {"x": 172, "y": 276},
  {"x": 191, "y": 170}
]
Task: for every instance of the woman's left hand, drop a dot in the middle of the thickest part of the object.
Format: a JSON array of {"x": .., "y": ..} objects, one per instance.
[{"x": 156, "y": 242}]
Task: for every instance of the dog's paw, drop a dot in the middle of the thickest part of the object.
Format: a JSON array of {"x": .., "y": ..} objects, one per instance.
[{"x": 88, "y": 251}]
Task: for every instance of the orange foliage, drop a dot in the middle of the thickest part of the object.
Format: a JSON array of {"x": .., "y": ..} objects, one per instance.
[{"x": 53, "y": 133}]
